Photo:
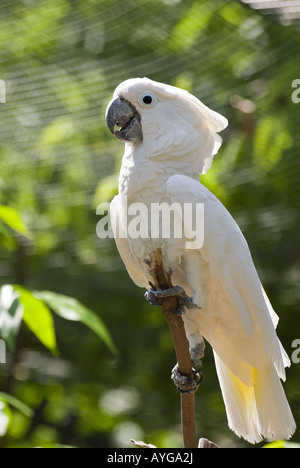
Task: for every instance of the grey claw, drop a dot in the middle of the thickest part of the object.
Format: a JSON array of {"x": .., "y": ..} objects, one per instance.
[
  {"x": 156, "y": 298},
  {"x": 186, "y": 384},
  {"x": 197, "y": 365},
  {"x": 180, "y": 310},
  {"x": 152, "y": 298},
  {"x": 197, "y": 354}
]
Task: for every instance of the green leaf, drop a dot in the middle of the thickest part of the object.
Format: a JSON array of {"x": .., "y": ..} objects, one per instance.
[
  {"x": 275, "y": 444},
  {"x": 19, "y": 405},
  {"x": 71, "y": 309},
  {"x": 5, "y": 417},
  {"x": 12, "y": 218},
  {"x": 281, "y": 444},
  {"x": 38, "y": 318},
  {"x": 11, "y": 313}
]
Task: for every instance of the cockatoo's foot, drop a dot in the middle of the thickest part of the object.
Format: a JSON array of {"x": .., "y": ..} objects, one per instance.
[
  {"x": 197, "y": 353},
  {"x": 186, "y": 384},
  {"x": 157, "y": 297}
]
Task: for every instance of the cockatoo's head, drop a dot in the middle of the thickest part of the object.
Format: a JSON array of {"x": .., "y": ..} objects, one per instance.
[{"x": 165, "y": 120}]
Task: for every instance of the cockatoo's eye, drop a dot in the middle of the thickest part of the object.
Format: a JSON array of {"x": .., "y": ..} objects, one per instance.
[{"x": 147, "y": 99}]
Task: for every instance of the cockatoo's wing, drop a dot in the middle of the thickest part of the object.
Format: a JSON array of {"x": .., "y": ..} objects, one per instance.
[
  {"x": 237, "y": 319},
  {"x": 231, "y": 268}
]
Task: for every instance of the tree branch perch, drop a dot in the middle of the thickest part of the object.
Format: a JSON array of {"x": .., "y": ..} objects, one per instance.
[{"x": 162, "y": 280}]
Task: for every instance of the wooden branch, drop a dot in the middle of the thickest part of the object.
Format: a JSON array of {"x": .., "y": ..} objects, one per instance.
[{"x": 162, "y": 280}]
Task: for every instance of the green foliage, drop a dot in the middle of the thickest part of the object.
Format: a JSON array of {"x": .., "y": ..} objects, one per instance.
[
  {"x": 61, "y": 62},
  {"x": 70, "y": 309},
  {"x": 14, "y": 402},
  {"x": 11, "y": 218},
  {"x": 272, "y": 138},
  {"x": 38, "y": 318},
  {"x": 281, "y": 444},
  {"x": 17, "y": 304}
]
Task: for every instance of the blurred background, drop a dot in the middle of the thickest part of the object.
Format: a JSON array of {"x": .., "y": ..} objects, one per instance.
[{"x": 68, "y": 384}]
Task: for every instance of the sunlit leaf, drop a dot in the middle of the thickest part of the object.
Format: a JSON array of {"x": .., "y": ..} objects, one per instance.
[
  {"x": 282, "y": 444},
  {"x": 12, "y": 218},
  {"x": 16, "y": 403},
  {"x": 190, "y": 25},
  {"x": 38, "y": 318},
  {"x": 233, "y": 13},
  {"x": 71, "y": 309}
]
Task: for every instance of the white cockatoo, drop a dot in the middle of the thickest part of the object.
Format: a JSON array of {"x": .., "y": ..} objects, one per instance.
[{"x": 170, "y": 138}]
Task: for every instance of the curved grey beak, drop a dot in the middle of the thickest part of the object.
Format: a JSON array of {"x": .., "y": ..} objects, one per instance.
[{"x": 122, "y": 113}]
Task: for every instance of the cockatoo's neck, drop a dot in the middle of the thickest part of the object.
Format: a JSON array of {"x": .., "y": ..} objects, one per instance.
[{"x": 145, "y": 177}]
